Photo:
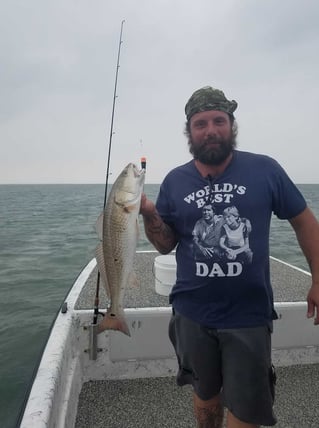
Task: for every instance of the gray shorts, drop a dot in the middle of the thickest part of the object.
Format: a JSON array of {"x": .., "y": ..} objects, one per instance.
[{"x": 233, "y": 362}]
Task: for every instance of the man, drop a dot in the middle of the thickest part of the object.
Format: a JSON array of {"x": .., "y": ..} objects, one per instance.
[
  {"x": 206, "y": 234},
  {"x": 223, "y": 311}
]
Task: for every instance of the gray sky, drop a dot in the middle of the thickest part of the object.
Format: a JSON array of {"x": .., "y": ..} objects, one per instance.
[{"x": 58, "y": 63}]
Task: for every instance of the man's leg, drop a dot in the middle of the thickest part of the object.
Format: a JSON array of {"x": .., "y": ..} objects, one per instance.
[
  {"x": 248, "y": 377},
  {"x": 208, "y": 413}
]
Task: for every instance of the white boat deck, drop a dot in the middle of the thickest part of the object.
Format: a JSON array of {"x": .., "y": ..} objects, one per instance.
[{"x": 158, "y": 402}]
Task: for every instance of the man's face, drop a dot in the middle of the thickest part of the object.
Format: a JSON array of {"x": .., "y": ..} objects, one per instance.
[
  {"x": 208, "y": 212},
  {"x": 211, "y": 138}
]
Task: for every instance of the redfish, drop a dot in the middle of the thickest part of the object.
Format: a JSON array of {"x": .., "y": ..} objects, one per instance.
[{"x": 117, "y": 228}]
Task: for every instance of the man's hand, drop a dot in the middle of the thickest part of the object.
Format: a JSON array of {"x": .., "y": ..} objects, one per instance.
[
  {"x": 313, "y": 303},
  {"x": 147, "y": 207}
]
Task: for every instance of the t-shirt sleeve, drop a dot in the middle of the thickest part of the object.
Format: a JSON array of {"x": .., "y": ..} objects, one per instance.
[
  {"x": 164, "y": 205},
  {"x": 288, "y": 201}
]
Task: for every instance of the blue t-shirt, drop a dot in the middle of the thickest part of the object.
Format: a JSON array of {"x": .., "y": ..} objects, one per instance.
[{"x": 222, "y": 224}]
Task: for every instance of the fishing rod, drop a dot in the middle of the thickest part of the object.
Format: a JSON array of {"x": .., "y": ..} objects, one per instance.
[{"x": 96, "y": 300}]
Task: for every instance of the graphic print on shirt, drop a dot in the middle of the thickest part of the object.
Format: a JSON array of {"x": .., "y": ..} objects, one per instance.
[{"x": 221, "y": 235}]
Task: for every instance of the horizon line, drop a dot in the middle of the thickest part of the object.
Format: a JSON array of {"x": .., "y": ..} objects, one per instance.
[{"x": 94, "y": 184}]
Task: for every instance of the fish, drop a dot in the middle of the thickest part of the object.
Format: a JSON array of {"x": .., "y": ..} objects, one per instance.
[{"x": 118, "y": 231}]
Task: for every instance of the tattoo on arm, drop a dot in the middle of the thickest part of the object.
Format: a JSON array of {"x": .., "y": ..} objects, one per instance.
[{"x": 159, "y": 233}]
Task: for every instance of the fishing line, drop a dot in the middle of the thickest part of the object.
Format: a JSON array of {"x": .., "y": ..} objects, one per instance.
[{"x": 96, "y": 300}]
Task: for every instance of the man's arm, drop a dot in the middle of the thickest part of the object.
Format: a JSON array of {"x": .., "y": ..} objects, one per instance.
[
  {"x": 159, "y": 233},
  {"x": 306, "y": 227}
]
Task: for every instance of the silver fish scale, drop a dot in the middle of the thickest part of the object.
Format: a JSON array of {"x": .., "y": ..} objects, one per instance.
[{"x": 119, "y": 245}]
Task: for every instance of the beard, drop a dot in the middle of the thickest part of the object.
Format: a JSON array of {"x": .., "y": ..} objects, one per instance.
[{"x": 214, "y": 150}]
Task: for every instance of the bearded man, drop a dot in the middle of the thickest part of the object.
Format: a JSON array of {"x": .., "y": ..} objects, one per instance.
[{"x": 222, "y": 312}]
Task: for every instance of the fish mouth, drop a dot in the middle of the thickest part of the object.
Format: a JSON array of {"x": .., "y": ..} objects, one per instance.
[{"x": 138, "y": 172}]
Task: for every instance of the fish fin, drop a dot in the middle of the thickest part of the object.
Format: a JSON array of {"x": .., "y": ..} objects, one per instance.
[
  {"x": 99, "y": 255},
  {"x": 114, "y": 322},
  {"x": 99, "y": 226},
  {"x": 133, "y": 280}
]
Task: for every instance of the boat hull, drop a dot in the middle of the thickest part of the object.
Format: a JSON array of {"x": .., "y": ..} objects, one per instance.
[{"x": 69, "y": 361}]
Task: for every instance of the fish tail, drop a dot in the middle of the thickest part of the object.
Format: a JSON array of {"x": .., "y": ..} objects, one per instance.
[{"x": 113, "y": 321}]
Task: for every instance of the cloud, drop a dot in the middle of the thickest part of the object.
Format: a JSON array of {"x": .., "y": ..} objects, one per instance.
[{"x": 59, "y": 63}]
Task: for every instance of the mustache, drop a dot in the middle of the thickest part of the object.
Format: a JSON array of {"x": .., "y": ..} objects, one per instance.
[{"x": 212, "y": 140}]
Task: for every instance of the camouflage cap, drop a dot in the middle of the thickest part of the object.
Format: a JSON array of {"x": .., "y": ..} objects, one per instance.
[{"x": 208, "y": 98}]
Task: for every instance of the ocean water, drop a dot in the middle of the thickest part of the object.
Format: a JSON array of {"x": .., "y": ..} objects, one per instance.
[{"x": 47, "y": 236}]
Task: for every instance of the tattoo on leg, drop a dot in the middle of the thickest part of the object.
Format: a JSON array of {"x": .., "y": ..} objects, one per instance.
[{"x": 211, "y": 417}]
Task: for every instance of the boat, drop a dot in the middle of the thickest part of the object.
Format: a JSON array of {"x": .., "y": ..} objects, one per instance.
[{"x": 111, "y": 380}]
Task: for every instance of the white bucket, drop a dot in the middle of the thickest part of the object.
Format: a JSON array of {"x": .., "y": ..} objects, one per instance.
[{"x": 165, "y": 274}]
